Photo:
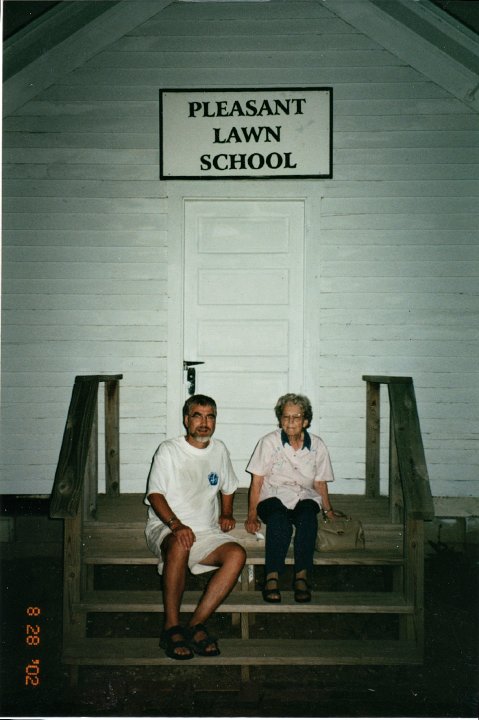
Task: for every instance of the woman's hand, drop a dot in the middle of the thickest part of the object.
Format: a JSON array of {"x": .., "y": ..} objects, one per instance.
[
  {"x": 334, "y": 514},
  {"x": 227, "y": 523},
  {"x": 252, "y": 524}
]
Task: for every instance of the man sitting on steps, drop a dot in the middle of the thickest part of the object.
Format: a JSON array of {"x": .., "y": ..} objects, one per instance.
[{"x": 186, "y": 529}]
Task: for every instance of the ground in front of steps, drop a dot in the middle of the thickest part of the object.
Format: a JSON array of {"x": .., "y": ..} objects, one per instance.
[{"x": 446, "y": 685}]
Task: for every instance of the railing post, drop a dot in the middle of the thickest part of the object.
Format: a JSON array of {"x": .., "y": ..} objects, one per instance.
[
  {"x": 396, "y": 502},
  {"x": 372, "y": 438},
  {"x": 74, "y": 623},
  {"x": 414, "y": 581},
  {"x": 90, "y": 483},
  {"x": 112, "y": 437}
]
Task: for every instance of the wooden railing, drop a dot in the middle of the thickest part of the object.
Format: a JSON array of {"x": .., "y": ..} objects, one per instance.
[
  {"x": 409, "y": 488},
  {"x": 77, "y": 470},
  {"x": 75, "y": 488},
  {"x": 410, "y": 499}
]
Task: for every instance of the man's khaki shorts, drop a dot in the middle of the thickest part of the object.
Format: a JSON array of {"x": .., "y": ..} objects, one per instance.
[{"x": 206, "y": 542}]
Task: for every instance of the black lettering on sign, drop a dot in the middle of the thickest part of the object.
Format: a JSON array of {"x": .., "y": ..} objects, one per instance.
[
  {"x": 246, "y": 134},
  {"x": 250, "y": 108}
]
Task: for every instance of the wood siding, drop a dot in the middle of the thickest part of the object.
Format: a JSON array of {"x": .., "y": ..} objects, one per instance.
[{"x": 85, "y": 236}]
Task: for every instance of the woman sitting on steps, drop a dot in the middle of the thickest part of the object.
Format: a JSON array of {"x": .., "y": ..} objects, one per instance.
[{"x": 290, "y": 471}]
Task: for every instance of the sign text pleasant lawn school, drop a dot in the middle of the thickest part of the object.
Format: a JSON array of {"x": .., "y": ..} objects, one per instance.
[{"x": 219, "y": 134}]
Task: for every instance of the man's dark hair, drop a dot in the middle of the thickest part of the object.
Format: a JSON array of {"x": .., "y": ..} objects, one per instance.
[{"x": 202, "y": 400}]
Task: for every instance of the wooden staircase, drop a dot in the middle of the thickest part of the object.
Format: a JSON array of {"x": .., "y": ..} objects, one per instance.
[{"x": 108, "y": 529}]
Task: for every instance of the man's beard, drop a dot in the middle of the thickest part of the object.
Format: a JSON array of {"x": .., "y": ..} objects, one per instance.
[{"x": 203, "y": 439}]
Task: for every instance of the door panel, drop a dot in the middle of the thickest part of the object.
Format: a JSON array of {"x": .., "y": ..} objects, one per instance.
[{"x": 243, "y": 311}]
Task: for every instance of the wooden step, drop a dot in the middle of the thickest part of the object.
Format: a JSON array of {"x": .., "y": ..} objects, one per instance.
[
  {"x": 131, "y": 537},
  {"x": 146, "y": 651},
  {"x": 129, "y": 508},
  {"x": 138, "y": 601},
  {"x": 103, "y": 552}
]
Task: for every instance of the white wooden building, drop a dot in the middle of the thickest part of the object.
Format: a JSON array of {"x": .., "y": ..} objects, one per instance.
[{"x": 277, "y": 285}]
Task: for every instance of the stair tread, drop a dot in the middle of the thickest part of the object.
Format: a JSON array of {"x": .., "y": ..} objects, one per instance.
[
  {"x": 145, "y": 651},
  {"x": 102, "y": 554},
  {"x": 128, "y": 508},
  {"x": 248, "y": 601}
]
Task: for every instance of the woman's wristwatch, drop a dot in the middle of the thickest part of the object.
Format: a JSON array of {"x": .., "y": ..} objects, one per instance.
[{"x": 171, "y": 521}]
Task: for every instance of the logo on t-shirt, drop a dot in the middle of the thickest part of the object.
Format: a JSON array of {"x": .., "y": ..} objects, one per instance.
[{"x": 213, "y": 478}]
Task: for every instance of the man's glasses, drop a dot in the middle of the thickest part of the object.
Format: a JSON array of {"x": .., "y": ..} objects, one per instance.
[{"x": 199, "y": 416}]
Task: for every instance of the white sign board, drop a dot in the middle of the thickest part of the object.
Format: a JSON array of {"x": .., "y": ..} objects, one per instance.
[{"x": 257, "y": 133}]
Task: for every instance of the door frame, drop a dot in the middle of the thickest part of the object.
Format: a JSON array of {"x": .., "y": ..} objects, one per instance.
[{"x": 178, "y": 193}]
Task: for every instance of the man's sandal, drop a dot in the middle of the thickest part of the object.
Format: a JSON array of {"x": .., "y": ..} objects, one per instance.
[
  {"x": 170, "y": 646},
  {"x": 271, "y": 594},
  {"x": 302, "y": 594},
  {"x": 202, "y": 646}
]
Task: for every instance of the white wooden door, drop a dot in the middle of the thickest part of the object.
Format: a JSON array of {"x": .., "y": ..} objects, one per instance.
[{"x": 243, "y": 311}]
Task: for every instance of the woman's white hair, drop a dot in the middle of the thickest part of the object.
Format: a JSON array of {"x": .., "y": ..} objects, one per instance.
[{"x": 301, "y": 400}]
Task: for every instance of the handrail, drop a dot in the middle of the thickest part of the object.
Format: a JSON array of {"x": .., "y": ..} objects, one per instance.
[
  {"x": 77, "y": 439},
  {"x": 409, "y": 449}
]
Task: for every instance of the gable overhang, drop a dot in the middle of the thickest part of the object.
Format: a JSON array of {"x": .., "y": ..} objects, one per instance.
[
  {"x": 418, "y": 32},
  {"x": 425, "y": 37},
  {"x": 85, "y": 42}
]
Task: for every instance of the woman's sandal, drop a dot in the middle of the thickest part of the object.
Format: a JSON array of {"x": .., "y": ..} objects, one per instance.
[
  {"x": 202, "y": 646},
  {"x": 301, "y": 595},
  {"x": 171, "y": 646},
  {"x": 272, "y": 594}
]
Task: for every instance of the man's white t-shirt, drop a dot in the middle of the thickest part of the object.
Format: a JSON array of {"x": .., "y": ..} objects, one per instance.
[{"x": 190, "y": 478}]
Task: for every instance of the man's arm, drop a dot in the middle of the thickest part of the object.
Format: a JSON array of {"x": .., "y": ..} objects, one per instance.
[
  {"x": 227, "y": 521},
  {"x": 182, "y": 533}
]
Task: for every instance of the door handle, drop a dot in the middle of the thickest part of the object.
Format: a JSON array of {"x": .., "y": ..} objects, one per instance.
[{"x": 191, "y": 374}]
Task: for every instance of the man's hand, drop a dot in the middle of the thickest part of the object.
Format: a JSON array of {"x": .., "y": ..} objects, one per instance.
[
  {"x": 227, "y": 522},
  {"x": 184, "y": 535},
  {"x": 252, "y": 524}
]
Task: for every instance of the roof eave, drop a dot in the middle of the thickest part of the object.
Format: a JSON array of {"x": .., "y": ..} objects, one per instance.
[
  {"x": 417, "y": 32},
  {"x": 91, "y": 38},
  {"x": 425, "y": 37}
]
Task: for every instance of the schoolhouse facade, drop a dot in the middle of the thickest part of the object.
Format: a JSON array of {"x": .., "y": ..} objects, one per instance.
[{"x": 115, "y": 263}]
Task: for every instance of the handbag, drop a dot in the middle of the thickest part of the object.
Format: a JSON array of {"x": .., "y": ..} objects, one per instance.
[{"x": 340, "y": 534}]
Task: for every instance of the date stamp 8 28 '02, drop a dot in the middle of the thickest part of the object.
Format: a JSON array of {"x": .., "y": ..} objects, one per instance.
[{"x": 33, "y": 640}]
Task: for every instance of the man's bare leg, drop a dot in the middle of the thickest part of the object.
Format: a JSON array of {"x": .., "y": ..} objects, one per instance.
[
  {"x": 174, "y": 580},
  {"x": 230, "y": 559}
]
